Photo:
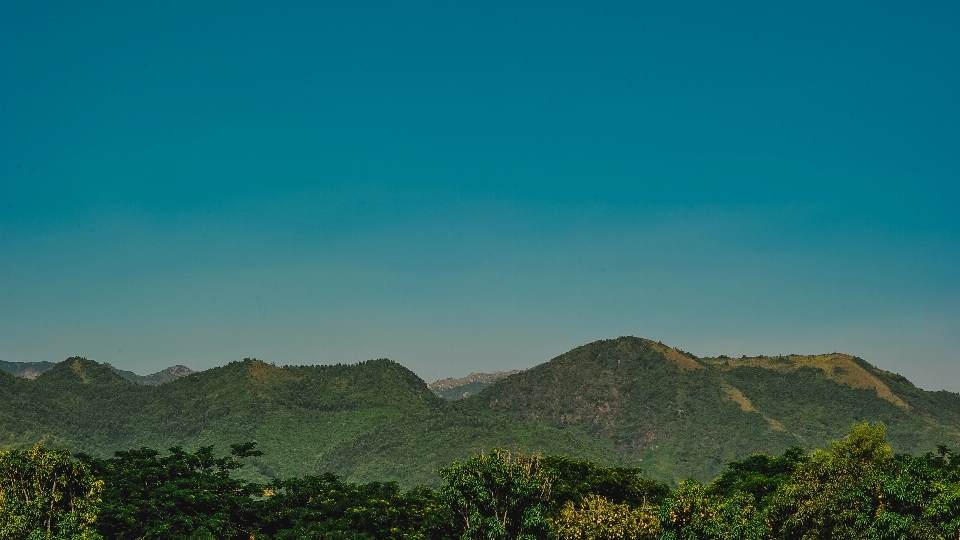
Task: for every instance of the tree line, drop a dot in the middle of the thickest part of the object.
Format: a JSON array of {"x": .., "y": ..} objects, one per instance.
[{"x": 856, "y": 488}]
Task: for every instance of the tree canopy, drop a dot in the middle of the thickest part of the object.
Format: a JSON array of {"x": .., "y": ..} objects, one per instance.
[{"x": 855, "y": 488}]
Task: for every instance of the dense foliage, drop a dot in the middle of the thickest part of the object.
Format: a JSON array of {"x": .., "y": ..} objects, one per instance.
[
  {"x": 498, "y": 495},
  {"x": 856, "y": 488},
  {"x": 326, "y": 507},
  {"x": 598, "y": 517},
  {"x": 46, "y": 494},
  {"x": 575, "y": 479},
  {"x": 174, "y": 496}
]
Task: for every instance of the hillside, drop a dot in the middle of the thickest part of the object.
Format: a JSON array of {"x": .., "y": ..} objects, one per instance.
[
  {"x": 677, "y": 415},
  {"x": 622, "y": 401}
]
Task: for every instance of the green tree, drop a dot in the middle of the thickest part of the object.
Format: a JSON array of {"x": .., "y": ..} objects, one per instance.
[
  {"x": 498, "y": 496},
  {"x": 44, "y": 494},
  {"x": 177, "y": 495},
  {"x": 838, "y": 493},
  {"x": 919, "y": 498},
  {"x": 693, "y": 512},
  {"x": 759, "y": 474},
  {"x": 574, "y": 479},
  {"x": 598, "y": 518},
  {"x": 324, "y": 507}
]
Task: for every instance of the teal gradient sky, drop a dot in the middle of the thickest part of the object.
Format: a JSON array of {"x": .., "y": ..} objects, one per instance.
[{"x": 472, "y": 186}]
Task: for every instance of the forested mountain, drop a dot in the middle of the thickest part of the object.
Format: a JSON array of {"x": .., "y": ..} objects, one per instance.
[
  {"x": 625, "y": 401},
  {"x": 678, "y": 415}
]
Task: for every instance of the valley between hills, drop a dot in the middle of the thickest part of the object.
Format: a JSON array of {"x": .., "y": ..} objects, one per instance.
[{"x": 625, "y": 401}]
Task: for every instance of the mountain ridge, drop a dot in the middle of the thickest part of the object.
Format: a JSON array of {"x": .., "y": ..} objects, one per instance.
[
  {"x": 32, "y": 370},
  {"x": 624, "y": 401}
]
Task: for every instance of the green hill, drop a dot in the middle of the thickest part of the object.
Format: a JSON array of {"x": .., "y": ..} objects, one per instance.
[
  {"x": 677, "y": 415},
  {"x": 624, "y": 401}
]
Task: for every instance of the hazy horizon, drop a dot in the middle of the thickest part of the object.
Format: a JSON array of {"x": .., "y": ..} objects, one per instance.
[{"x": 471, "y": 187}]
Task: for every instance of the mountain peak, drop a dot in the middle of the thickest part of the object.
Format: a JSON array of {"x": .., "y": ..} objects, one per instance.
[
  {"x": 264, "y": 375},
  {"x": 80, "y": 369}
]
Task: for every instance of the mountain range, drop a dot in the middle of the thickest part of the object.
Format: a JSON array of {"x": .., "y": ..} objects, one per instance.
[
  {"x": 32, "y": 370},
  {"x": 624, "y": 401},
  {"x": 452, "y": 388}
]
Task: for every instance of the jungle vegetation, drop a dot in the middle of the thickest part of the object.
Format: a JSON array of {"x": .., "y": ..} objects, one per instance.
[{"x": 855, "y": 488}]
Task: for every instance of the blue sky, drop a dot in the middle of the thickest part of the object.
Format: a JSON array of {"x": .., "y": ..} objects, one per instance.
[{"x": 476, "y": 186}]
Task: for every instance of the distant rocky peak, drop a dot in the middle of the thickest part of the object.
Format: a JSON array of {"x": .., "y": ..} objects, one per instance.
[
  {"x": 171, "y": 373},
  {"x": 455, "y": 388},
  {"x": 176, "y": 371},
  {"x": 26, "y": 370}
]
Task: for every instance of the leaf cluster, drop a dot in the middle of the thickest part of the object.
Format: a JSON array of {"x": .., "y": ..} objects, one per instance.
[{"x": 46, "y": 494}]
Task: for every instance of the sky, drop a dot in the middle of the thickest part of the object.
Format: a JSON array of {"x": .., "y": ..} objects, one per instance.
[{"x": 476, "y": 186}]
